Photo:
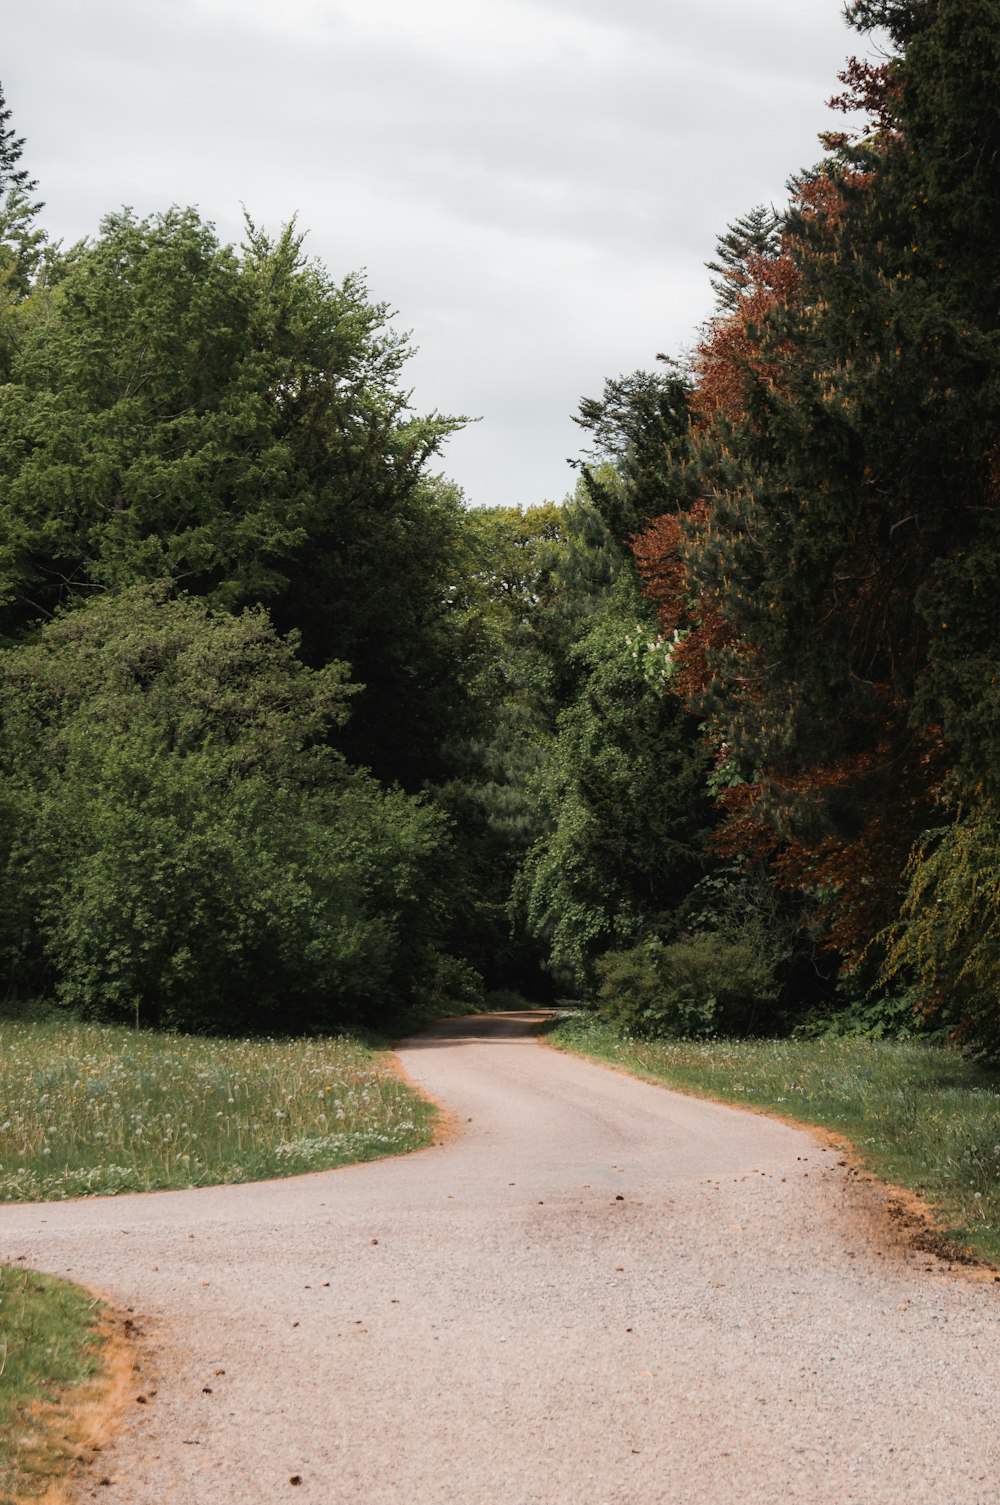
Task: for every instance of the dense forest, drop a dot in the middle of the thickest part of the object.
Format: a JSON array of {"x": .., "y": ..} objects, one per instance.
[{"x": 292, "y": 737}]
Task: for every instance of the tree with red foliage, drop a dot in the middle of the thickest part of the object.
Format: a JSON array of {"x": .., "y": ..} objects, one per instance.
[{"x": 844, "y": 452}]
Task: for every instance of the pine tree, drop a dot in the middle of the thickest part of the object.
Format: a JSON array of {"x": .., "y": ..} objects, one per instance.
[
  {"x": 637, "y": 427},
  {"x": 750, "y": 241},
  {"x": 13, "y": 177},
  {"x": 23, "y": 244}
]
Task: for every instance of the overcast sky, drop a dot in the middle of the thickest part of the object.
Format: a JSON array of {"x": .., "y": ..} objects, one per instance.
[{"x": 534, "y": 185}]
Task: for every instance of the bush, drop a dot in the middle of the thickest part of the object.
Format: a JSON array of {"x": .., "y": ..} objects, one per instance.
[
  {"x": 699, "y": 985},
  {"x": 445, "y": 985},
  {"x": 947, "y": 940}
]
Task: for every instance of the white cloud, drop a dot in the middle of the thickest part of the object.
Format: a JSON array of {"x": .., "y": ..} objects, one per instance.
[{"x": 534, "y": 184}]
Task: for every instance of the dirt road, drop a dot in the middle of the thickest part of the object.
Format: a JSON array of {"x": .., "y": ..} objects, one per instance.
[{"x": 595, "y": 1291}]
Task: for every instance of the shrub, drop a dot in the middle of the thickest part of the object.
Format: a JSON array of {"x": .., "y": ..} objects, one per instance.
[
  {"x": 699, "y": 985},
  {"x": 947, "y": 939}
]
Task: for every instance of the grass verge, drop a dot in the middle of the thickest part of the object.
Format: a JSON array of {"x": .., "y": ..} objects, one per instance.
[
  {"x": 50, "y": 1347},
  {"x": 916, "y": 1114},
  {"x": 88, "y": 1109}
]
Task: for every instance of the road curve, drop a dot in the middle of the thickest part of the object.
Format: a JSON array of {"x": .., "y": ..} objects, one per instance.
[{"x": 594, "y": 1292}]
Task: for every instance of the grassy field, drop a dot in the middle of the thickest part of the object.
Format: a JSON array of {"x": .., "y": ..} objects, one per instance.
[
  {"x": 88, "y": 1110},
  {"x": 917, "y": 1115},
  {"x": 47, "y": 1348}
]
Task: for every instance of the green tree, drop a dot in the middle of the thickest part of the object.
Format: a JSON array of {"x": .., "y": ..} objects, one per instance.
[
  {"x": 503, "y": 596},
  {"x": 23, "y": 244},
  {"x": 233, "y": 422},
  {"x": 12, "y": 175},
  {"x": 752, "y": 239},
  {"x": 945, "y": 946},
  {"x": 182, "y": 846},
  {"x": 624, "y": 796},
  {"x": 638, "y": 430}
]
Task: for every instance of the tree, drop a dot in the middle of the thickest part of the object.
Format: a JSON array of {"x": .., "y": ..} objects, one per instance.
[
  {"x": 830, "y": 582},
  {"x": 182, "y": 847},
  {"x": 12, "y": 177},
  {"x": 626, "y": 798},
  {"x": 22, "y": 243},
  {"x": 620, "y": 794},
  {"x": 233, "y": 422},
  {"x": 751, "y": 242},
  {"x": 636, "y": 428},
  {"x": 504, "y": 595},
  {"x": 945, "y": 945}
]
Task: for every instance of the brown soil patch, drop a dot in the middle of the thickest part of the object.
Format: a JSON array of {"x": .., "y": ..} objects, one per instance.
[{"x": 70, "y": 1434}]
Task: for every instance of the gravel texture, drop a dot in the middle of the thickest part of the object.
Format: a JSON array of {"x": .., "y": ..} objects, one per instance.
[{"x": 593, "y": 1292}]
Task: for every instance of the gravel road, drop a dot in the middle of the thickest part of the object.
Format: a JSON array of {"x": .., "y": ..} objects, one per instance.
[{"x": 594, "y": 1292}]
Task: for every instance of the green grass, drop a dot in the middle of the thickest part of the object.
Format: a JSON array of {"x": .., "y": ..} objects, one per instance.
[
  {"x": 917, "y": 1114},
  {"x": 47, "y": 1346},
  {"x": 88, "y": 1109}
]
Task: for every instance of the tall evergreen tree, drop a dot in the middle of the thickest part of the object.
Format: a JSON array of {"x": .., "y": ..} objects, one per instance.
[
  {"x": 752, "y": 240},
  {"x": 637, "y": 430},
  {"x": 23, "y": 244},
  {"x": 12, "y": 175}
]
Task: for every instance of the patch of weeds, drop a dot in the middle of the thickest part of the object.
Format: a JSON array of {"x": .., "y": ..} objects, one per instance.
[{"x": 88, "y": 1109}]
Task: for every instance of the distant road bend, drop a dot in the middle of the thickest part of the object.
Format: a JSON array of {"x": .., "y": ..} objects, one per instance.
[{"x": 594, "y": 1292}]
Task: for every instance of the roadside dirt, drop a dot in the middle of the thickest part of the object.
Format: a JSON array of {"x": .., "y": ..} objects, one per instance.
[
  {"x": 73, "y": 1431},
  {"x": 594, "y": 1292},
  {"x": 906, "y": 1218}
]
